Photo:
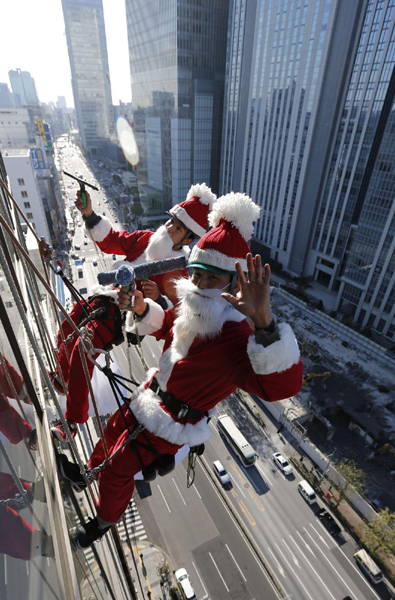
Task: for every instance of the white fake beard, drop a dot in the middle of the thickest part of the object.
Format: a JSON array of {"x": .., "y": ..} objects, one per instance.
[
  {"x": 160, "y": 245},
  {"x": 200, "y": 311}
]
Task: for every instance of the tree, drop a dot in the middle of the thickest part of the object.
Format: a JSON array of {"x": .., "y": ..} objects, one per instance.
[
  {"x": 347, "y": 476},
  {"x": 379, "y": 532}
]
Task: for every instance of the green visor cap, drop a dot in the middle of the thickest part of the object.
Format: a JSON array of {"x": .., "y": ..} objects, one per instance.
[{"x": 210, "y": 268}]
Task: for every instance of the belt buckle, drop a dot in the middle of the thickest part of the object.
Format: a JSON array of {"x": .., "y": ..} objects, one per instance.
[{"x": 182, "y": 413}]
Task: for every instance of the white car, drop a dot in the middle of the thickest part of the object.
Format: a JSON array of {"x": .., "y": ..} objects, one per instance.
[
  {"x": 221, "y": 472},
  {"x": 184, "y": 583},
  {"x": 282, "y": 463}
]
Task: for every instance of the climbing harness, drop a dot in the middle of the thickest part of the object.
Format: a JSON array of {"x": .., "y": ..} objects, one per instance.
[{"x": 194, "y": 452}]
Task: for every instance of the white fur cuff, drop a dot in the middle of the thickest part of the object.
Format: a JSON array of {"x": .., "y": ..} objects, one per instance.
[
  {"x": 277, "y": 357},
  {"x": 152, "y": 321},
  {"x": 99, "y": 232}
]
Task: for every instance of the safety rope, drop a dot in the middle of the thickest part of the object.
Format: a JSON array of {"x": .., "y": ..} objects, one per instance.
[{"x": 192, "y": 457}]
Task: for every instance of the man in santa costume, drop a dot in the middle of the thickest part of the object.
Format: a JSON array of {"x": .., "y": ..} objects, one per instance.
[
  {"x": 188, "y": 221},
  {"x": 220, "y": 337}
]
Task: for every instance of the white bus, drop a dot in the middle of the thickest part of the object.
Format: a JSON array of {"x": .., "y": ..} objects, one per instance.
[
  {"x": 368, "y": 566},
  {"x": 237, "y": 440}
]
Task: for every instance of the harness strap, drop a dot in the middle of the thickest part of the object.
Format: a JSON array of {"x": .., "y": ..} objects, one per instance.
[{"x": 179, "y": 409}]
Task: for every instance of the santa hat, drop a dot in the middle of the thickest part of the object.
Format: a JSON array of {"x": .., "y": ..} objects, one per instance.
[
  {"x": 193, "y": 212},
  {"x": 232, "y": 220}
]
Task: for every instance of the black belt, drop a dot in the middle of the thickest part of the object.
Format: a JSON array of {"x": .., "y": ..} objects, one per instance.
[{"x": 179, "y": 409}]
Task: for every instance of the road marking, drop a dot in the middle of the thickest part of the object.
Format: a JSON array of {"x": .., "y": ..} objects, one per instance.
[
  {"x": 219, "y": 572},
  {"x": 236, "y": 484},
  {"x": 5, "y": 569},
  {"x": 292, "y": 554},
  {"x": 201, "y": 580},
  {"x": 320, "y": 536},
  {"x": 164, "y": 499},
  {"x": 196, "y": 490},
  {"x": 178, "y": 491},
  {"x": 327, "y": 559},
  {"x": 27, "y": 567},
  {"x": 264, "y": 474},
  {"x": 232, "y": 464},
  {"x": 214, "y": 427},
  {"x": 294, "y": 572},
  {"x": 247, "y": 513},
  {"x": 311, "y": 567},
  {"x": 278, "y": 564},
  {"x": 353, "y": 565},
  {"x": 305, "y": 543},
  {"x": 256, "y": 500},
  {"x": 241, "y": 572}
]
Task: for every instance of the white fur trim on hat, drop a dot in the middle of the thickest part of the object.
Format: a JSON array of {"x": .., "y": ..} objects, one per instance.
[
  {"x": 152, "y": 321},
  {"x": 202, "y": 191},
  {"x": 238, "y": 209},
  {"x": 182, "y": 215},
  {"x": 216, "y": 259},
  {"x": 145, "y": 405},
  {"x": 277, "y": 357},
  {"x": 99, "y": 232},
  {"x": 104, "y": 290}
]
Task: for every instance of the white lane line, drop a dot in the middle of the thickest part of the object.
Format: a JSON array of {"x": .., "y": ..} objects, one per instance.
[
  {"x": 198, "y": 574},
  {"x": 320, "y": 536},
  {"x": 237, "y": 485},
  {"x": 263, "y": 473},
  {"x": 219, "y": 572},
  {"x": 164, "y": 499},
  {"x": 353, "y": 566},
  {"x": 327, "y": 559},
  {"x": 305, "y": 543},
  {"x": 27, "y": 567},
  {"x": 292, "y": 554},
  {"x": 214, "y": 427},
  {"x": 196, "y": 490},
  {"x": 178, "y": 491},
  {"x": 293, "y": 572},
  {"x": 5, "y": 569},
  {"x": 278, "y": 564},
  {"x": 241, "y": 572},
  {"x": 311, "y": 567},
  {"x": 142, "y": 537},
  {"x": 237, "y": 418}
]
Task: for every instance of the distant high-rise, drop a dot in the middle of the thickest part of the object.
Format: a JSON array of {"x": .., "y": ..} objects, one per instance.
[
  {"x": 177, "y": 62},
  {"x": 86, "y": 41},
  {"x": 6, "y": 98},
  {"x": 61, "y": 102},
  {"x": 22, "y": 83}
]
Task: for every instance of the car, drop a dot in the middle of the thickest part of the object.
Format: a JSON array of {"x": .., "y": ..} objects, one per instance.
[
  {"x": 184, "y": 583},
  {"x": 282, "y": 463},
  {"x": 95, "y": 263},
  {"x": 328, "y": 521},
  {"x": 116, "y": 220},
  {"x": 221, "y": 472},
  {"x": 85, "y": 243}
]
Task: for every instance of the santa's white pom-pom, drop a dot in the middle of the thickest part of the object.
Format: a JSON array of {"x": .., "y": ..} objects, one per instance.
[
  {"x": 238, "y": 209},
  {"x": 203, "y": 192}
]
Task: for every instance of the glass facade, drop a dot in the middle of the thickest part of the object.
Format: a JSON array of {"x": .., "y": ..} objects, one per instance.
[
  {"x": 86, "y": 41},
  {"x": 177, "y": 54},
  {"x": 22, "y": 83},
  {"x": 356, "y": 221}
]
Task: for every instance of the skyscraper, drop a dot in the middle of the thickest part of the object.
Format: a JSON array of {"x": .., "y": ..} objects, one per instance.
[
  {"x": 6, "y": 98},
  {"x": 86, "y": 41},
  {"x": 22, "y": 83},
  {"x": 286, "y": 63},
  {"x": 177, "y": 62}
]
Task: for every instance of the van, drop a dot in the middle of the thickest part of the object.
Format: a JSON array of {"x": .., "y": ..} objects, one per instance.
[
  {"x": 307, "y": 492},
  {"x": 185, "y": 585},
  {"x": 221, "y": 472},
  {"x": 368, "y": 566}
]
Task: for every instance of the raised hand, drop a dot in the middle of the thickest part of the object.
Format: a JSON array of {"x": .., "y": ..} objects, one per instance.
[
  {"x": 87, "y": 210},
  {"x": 150, "y": 290},
  {"x": 254, "y": 300},
  {"x": 125, "y": 299}
]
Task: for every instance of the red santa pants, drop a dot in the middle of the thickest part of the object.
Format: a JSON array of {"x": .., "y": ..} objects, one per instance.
[
  {"x": 73, "y": 371},
  {"x": 116, "y": 482},
  {"x": 11, "y": 423},
  {"x": 18, "y": 538}
]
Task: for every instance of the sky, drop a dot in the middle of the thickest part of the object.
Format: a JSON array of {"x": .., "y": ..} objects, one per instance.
[{"x": 32, "y": 38}]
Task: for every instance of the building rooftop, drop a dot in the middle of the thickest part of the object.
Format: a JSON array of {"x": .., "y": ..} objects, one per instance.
[{"x": 16, "y": 152}]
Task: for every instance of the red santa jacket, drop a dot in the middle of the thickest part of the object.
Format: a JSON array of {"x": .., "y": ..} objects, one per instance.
[
  {"x": 202, "y": 372},
  {"x": 133, "y": 246}
]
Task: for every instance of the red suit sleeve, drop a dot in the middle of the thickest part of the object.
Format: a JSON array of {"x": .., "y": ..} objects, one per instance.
[{"x": 123, "y": 242}]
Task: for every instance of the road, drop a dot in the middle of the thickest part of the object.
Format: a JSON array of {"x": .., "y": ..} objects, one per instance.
[{"x": 197, "y": 530}]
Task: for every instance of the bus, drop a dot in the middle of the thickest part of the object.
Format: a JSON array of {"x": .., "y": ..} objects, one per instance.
[
  {"x": 368, "y": 566},
  {"x": 236, "y": 439}
]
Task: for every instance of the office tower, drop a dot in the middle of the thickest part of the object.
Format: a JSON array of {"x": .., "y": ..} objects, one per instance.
[
  {"x": 177, "y": 55},
  {"x": 61, "y": 102},
  {"x": 286, "y": 65},
  {"x": 22, "y": 83},
  {"x": 354, "y": 241},
  {"x": 86, "y": 41},
  {"x": 6, "y": 98}
]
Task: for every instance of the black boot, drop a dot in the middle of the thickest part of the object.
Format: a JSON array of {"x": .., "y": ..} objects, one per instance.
[
  {"x": 70, "y": 471},
  {"x": 167, "y": 464},
  {"x": 84, "y": 535},
  {"x": 149, "y": 472}
]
